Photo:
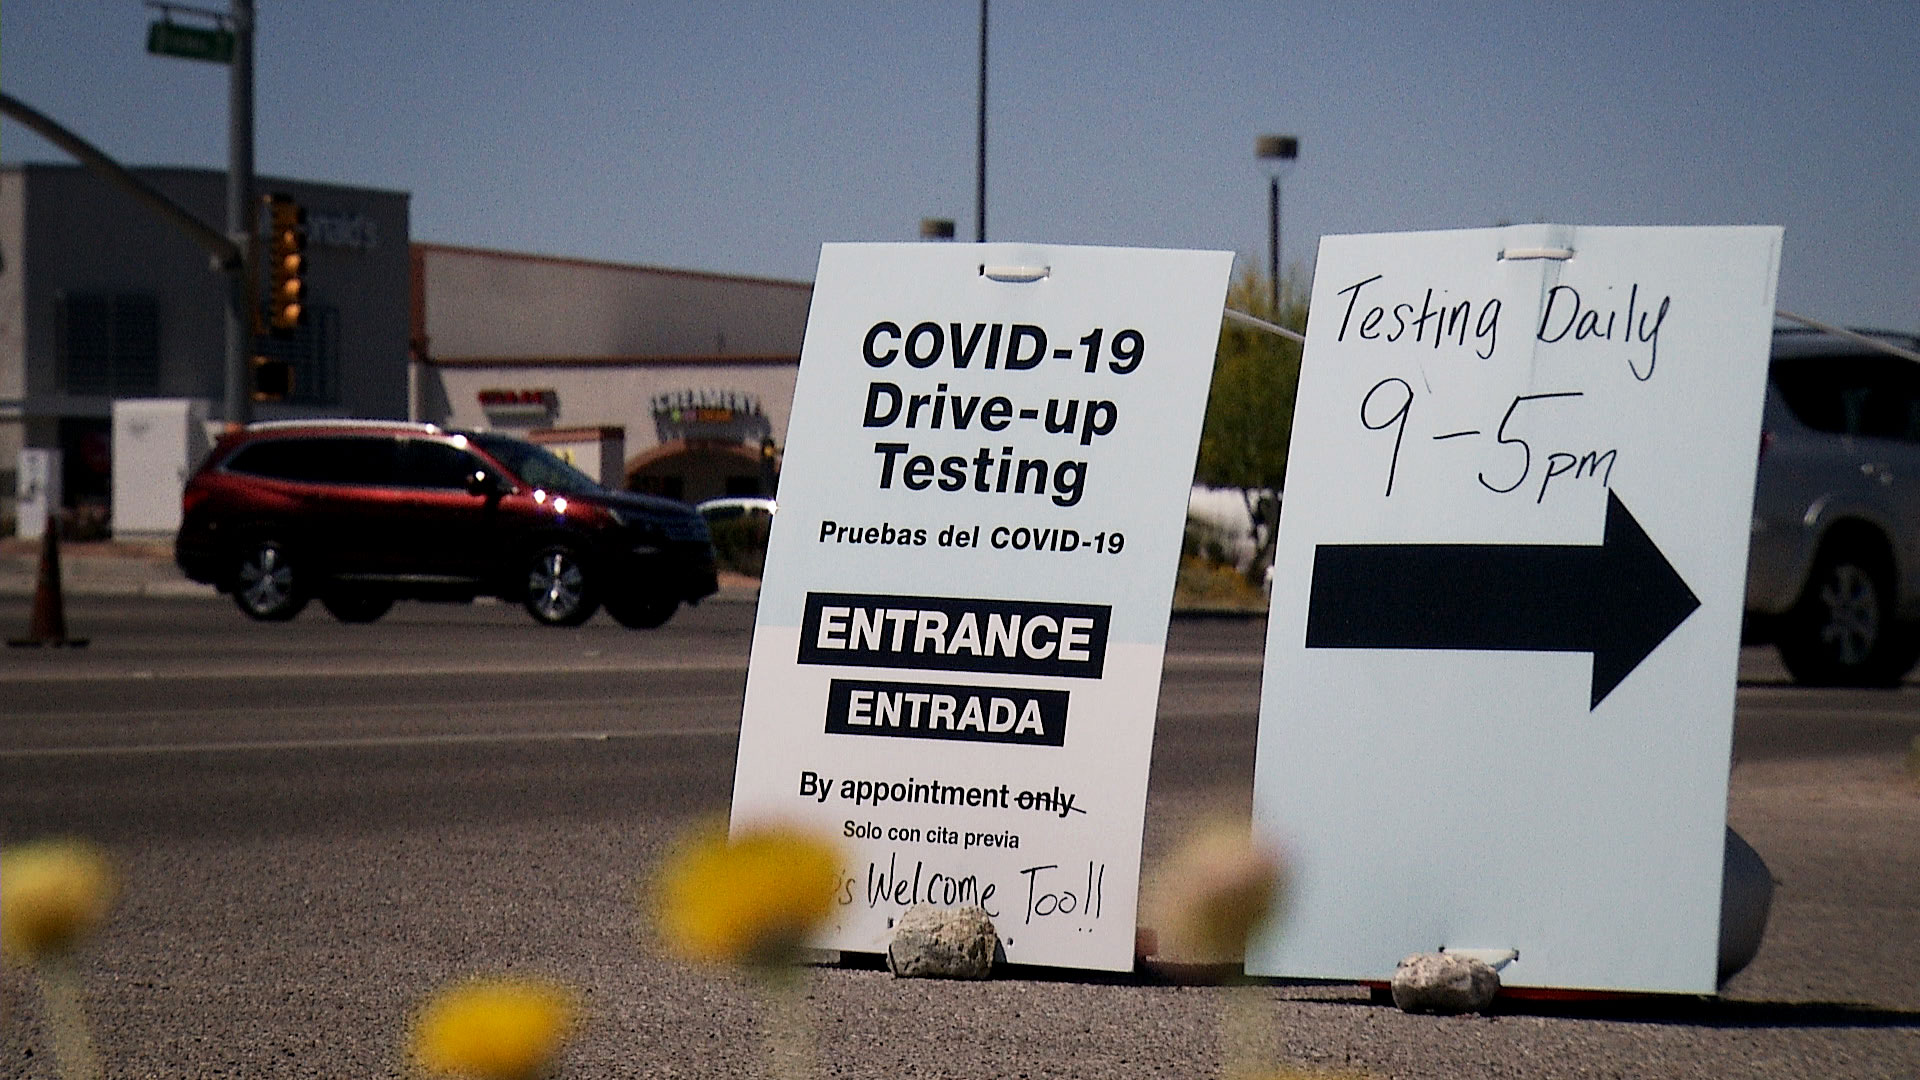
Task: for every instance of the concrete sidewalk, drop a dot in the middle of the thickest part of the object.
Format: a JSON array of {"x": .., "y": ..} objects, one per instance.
[
  {"x": 107, "y": 568},
  {"x": 99, "y": 568},
  {"x": 146, "y": 568}
]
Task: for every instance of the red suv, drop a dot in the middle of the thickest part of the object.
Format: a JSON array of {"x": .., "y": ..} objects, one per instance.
[{"x": 359, "y": 513}]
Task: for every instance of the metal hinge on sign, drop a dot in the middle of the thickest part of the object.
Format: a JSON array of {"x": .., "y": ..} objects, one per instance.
[
  {"x": 1017, "y": 274},
  {"x": 1558, "y": 254}
]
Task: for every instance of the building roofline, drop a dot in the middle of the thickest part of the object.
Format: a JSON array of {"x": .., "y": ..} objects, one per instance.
[
  {"x": 650, "y": 360},
  {"x": 607, "y": 264},
  {"x": 260, "y": 180}
]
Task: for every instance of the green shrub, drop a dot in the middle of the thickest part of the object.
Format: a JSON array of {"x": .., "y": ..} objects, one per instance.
[{"x": 740, "y": 544}]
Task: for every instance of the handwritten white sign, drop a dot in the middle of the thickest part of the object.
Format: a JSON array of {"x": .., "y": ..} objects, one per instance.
[{"x": 1505, "y": 622}]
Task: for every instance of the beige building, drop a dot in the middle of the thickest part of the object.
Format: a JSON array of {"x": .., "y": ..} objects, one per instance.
[{"x": 684, "y": 378}]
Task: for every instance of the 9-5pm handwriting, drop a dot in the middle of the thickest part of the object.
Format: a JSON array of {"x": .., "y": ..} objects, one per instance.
[{"x": 1390, "y": 403}]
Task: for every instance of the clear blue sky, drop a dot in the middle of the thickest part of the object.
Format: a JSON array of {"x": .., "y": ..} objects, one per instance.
[{"x": 738, "y": 136}]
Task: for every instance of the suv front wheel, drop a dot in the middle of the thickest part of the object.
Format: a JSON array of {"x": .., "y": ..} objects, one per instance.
[
  {"x": 268, "y": 583},
  {"x": 1843, "y": 631},
  {"x": 559, "y": 591}
]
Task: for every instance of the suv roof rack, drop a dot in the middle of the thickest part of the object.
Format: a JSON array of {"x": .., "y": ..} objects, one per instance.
[{"x": 346, "y": 422}]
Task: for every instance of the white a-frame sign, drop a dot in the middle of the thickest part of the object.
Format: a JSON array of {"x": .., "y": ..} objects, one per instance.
[{"x": 957, "y": 656}]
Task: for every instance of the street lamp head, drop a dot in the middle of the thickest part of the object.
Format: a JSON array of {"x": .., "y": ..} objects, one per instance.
[
  {"x": 1276, "y": 147},
  {"x": 936, "y": 228}
]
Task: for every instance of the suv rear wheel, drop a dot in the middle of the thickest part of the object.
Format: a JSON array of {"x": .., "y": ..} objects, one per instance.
[
  {"x": 356, "y": 605},
  {"x": 268, "y": 584},
  {"x": 1842, "y": 632},
  {"x": 559, "y": 592}
]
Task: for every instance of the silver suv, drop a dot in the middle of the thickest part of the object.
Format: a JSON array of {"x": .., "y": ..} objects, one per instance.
[{"x": 1833, "y": 577}]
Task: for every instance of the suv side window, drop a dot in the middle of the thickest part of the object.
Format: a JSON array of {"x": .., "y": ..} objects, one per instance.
[
  {"x": 275, "y": 459},
  {"x": 1853, "y": 395},
  {"x": 357, "y": 460},
  {"x": 360, "y": 460},
  {"x": 425, "y": 463},
  {"x": 1893, "y": 405}
]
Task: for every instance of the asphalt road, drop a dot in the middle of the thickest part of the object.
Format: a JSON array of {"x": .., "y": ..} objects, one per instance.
[{"x": 321, "y": 823}]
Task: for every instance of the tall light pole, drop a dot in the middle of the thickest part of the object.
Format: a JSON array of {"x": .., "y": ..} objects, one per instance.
[
  {"x": 1280, "y": 150},
  {"x": 980, "y": 156}
]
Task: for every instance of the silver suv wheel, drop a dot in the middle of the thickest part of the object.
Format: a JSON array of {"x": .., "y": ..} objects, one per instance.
[
  {"x": 559, "y": 591},
  {"x": 1843, "y": 632},
  {"x": 1852, "y": 604},
  {"x": 268, "y": 584}
]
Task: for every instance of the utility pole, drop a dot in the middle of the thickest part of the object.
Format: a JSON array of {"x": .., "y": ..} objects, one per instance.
[{"x": 241, "y": 301}]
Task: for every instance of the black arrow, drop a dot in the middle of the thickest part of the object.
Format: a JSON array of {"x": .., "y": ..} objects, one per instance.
[{"x": 1618, "y": 600}]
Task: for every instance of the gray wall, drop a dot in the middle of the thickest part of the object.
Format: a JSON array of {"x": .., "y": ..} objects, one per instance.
[
  {"x": 64, "y": 231},
  {"x": 81, "y": 235}
]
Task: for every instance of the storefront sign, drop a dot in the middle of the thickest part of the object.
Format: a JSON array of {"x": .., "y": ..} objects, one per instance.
[
  {"x": 351, "y": 230},
  {"x": 961, "y": 627},
  {"x": 520, "y": 408},
  {"x": 1505, "y": 623},
  {"x": 709, "y": 415}
]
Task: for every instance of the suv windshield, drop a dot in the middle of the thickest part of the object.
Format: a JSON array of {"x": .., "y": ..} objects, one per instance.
[{"x": 534, "y": 465}]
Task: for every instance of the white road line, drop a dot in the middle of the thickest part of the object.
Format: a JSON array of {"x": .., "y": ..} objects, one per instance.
[
  {"x": 229, "y": 673},
  {"x": 463, "y": 708},
  {"x": 365, "y": 742},
  {"x": 1174, "y": 661}
]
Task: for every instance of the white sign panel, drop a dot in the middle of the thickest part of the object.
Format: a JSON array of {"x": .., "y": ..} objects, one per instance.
[
  {"x": 38, "y": 491},
  {"x": 961, "y": 626},
  {"x": 1499, "y": 688}
]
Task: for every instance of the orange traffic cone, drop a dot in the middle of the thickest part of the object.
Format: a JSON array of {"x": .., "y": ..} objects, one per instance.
[{"x": 48, "y": 623}]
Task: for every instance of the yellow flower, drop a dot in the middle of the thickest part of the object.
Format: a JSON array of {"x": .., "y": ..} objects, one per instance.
[
  {"x": 1213, "y": 892},
  {"x": 493, "y": 1029},
  {"x": 52, "y": 894},
  {"x": 751, "y": 899}
]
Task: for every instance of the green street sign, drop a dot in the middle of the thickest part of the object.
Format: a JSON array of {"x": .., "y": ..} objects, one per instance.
[{"x": 190, "y": 42}]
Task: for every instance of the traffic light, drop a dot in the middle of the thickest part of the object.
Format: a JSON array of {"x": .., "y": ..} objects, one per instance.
[
  {"x": 272, "y": 379},
  {"x": 769, "y": 465},
  {"x": 286, "y": 264}
]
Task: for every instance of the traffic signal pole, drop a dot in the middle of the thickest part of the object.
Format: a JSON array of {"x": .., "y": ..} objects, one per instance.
[
  {"x": 225, "y": 255},
  {"x": 241, "y": 301}
]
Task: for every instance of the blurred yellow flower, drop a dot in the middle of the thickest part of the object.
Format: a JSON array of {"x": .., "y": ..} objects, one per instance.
[
  {"x": 751, "y": 899},
  {"x": 52, "y": 895},
  {"x": 1212, "y": 893},
  {"x": 493, "y": 1029}
]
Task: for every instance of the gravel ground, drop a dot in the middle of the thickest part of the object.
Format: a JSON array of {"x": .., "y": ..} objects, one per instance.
[
  {"x": 256, "y": 974},
  {"x": 292, "y": 941}
]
